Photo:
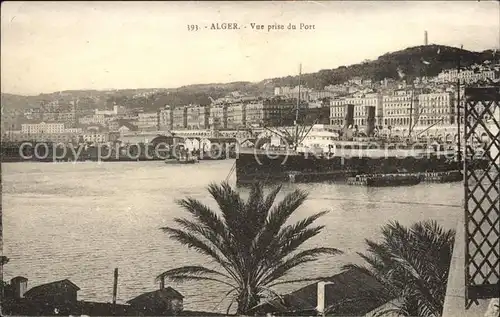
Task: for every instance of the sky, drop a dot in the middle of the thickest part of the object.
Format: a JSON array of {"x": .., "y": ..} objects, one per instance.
[{"x": 49, "y": 46}]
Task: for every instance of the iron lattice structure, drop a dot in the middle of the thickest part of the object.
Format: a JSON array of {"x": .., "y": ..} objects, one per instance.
[{"x": 481, "y": 185}]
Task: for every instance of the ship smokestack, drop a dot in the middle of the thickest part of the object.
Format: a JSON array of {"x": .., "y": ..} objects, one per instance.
[
  {"x": 370, "y": 120},
  {"x": 349, "y": 117}
]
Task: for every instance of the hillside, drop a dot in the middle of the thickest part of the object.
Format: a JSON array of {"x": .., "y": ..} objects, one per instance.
[{"x": 408, "y": 61}]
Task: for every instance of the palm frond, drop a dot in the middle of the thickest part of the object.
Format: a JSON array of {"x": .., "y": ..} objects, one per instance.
[
  {"x": 277, "y": 271},
  {"x": 300, "y": 280},
  {"x": 229, "y": 202},
  {"x": 192, "y": 241},
  {"x": 280, "y": 213},
  {"x": 280, "y": 249},
  {"x": 271, "y": 196},
  {"x": 194, "y": 270},
  {"x": 189, "y": 278},
  {"x": 224, "y": 297},
  {"x": 203, "y": 213}
]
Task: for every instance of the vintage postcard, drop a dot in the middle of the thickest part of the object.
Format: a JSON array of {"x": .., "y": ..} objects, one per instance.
[{"x": 284, "y": 158}]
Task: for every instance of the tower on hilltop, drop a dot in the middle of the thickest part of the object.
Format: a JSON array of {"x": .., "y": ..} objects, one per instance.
[{"x": 426, "y": 42}]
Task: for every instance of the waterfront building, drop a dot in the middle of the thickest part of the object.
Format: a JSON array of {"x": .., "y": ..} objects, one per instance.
[
  {"x": 179, "y": 120},
  {"x": 278, "y": 112},
  {"x": 197, "y": 117},
  {"x": 338, "y": 109},
  {"x": 254, "y": 113},
  {"x": 337, "y": 114},
  {"x": 166, "y": 118},
  {"x": 18, "y": 136},
  {"x": 218, "y": 116},
  {"x": 147, "y": 121},
  {"x": 435, "y": 109},
  {"x": 396, "y": 108},
  {"x": 236, "y": 115}
]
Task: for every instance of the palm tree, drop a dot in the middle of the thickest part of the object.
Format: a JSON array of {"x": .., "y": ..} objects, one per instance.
[
  {"x": 413, "y": 263},
  {"x": 250, "y": 242}
]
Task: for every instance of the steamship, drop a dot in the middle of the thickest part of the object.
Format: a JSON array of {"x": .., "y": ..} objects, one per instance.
[{"x": 342, "y": 154}]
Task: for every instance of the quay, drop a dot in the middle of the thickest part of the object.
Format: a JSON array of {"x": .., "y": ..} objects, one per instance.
[{"x": 384, "y": 180}]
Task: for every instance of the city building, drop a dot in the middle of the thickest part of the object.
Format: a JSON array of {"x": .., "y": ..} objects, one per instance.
[
  {"x": 197, "y": 117},
  {"x": 95, "y": 119},
  {"x": 179, "y": 120},
  {"x": 435, "y": 109},
  {"x": 218, "y": 116},
  {"x": 397, "y": 108},
  {"x": 42, "y": 127},
  {"x": 254, "y": 114},
  {"x": 236, "y": 115},
  {"x": 69, "y": 117},
  {"x": 361, "y": 102},
  {"x": 117, "y": 110},
  {"x": 166, "y": 118},
  {"x": 466, "y": 76},
  {"x": 126, "y": 127},
  {"x": 147, "y": 121},
  {"x": 95, "y": 137}
]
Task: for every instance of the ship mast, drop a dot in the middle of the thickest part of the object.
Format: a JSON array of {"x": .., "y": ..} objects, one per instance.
[
  {"x": 411, "y": 111},
  {"x": 297, "y": 113}
]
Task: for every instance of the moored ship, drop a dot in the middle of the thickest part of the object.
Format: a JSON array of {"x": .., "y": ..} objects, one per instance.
[{"x": 338, "y": 155}]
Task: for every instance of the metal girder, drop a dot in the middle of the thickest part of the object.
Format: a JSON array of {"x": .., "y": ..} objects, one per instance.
[{"x": 481, "y": 189}]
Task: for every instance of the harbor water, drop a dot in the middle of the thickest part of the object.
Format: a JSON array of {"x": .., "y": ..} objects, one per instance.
[{"x": 81, "y": 220}]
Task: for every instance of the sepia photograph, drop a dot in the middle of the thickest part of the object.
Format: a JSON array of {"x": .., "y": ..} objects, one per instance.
[{"x": 250, "y": 158}]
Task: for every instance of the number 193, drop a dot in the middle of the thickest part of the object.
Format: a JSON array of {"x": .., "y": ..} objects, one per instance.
[{"x": 192, "y": 27}]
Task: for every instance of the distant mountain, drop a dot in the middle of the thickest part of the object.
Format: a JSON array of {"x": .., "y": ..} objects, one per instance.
[{"x": 408, "y": 61}]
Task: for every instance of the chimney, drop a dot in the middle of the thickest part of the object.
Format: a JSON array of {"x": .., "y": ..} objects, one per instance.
[
  {"x": 349, "y": 116},
  {"x": 370, "y": 120},
  {"x": 19, "y": 286},
  {"x": 321, "y": 302}
]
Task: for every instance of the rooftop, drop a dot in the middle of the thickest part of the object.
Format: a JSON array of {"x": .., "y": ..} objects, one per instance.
[
  {"x": 52, "y": 287},
  {"x": 157, "y": 295}
]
